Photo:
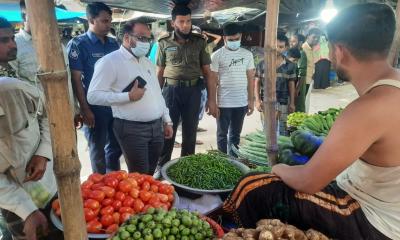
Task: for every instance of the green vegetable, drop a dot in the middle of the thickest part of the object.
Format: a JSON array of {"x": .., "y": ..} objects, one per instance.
[{"x": 205, "y": 171}]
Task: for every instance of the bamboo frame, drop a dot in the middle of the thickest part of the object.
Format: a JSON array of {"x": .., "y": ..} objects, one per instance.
[
  {"x": 394, "y": 51},
  {"x": 270, "y": 57}
]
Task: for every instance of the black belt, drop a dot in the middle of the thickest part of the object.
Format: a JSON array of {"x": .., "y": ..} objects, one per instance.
[
  {"x": 137, "y": 122},
  {"x": 182, "y": 83}
]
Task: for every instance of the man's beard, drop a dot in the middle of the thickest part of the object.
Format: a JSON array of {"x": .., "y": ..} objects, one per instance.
[
  {"x": 182, "y": 35},
  {"x": 12, "y": 54},
  {"x": 341, "y": 73}
]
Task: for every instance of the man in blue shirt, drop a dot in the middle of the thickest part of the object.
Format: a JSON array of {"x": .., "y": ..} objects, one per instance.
[{"x": 83, "y": 52}]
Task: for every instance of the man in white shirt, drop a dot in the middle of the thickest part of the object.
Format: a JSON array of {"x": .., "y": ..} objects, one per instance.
[
  {"x": 235, "y": 69},
  {"x": 141, "y": 118}
]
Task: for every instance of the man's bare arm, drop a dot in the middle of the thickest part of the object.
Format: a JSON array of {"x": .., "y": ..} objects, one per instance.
[
  {"x": 292, "y": 94},
  {"x": 347, "y": 141},
  {"x": 160, "y": 75},
  {"x": 212, "y": 81}
]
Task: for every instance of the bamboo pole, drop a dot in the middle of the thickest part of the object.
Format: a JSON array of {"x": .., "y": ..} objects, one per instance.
[
  {"x": 55, "y": 82},
  {"x": 394, "y": 51},
  {"x": 270, "y": 57}
]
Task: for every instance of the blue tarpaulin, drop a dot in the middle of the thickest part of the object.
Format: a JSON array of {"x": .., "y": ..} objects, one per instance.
[{"x": 12, "y": 13}]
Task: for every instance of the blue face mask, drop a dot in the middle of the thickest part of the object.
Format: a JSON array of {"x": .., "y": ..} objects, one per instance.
[
  {"x": 141, "y": 49},
  {"x": 233, "y": 45}
]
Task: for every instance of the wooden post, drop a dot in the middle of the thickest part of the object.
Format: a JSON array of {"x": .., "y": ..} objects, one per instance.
[
  {"x": 394, "y": 51},
  {"x": 55, "y": 82},
  {"x": 270, "y": 57}
]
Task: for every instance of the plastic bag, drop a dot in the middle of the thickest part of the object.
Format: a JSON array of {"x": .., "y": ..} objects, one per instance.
[{"x": 39, "y": 193}]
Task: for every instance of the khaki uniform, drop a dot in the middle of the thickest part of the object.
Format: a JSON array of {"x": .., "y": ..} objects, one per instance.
[
  {"x": 182, "y": 61},
  {"x": 182, "y": 90}
]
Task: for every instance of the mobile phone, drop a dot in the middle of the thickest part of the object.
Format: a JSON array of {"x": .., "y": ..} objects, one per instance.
[{"x": 141, "y": 84}]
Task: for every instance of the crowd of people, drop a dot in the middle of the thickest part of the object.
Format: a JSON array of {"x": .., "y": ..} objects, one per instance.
[{"x": 132, "y": 106}]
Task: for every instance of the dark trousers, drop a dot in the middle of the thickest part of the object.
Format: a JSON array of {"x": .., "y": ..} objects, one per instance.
[
  {"x": 141, "y": 143},
  {"x": 321, "y": 75},
  {"x": 229, "y": 127},
  {"x": 184, "y": 105},
  {"x": 331, "y": 211},
  {"x": 104, "y": 150}
]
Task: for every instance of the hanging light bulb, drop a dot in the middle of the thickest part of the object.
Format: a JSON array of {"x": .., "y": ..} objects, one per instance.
[{"x": 328, "y": 12}]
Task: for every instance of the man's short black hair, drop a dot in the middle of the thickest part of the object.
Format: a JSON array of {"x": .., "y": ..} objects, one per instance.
[
  {"x": 282, "y": 38},
  {"x": 180, "y": 10},
  {"x": 4, "y": 23},
  {"x": 232, "y": 29},
  {"x": 314, "y": 31},
  {"x": 365, "y": 29},
  {"x": 294, "y": 53},
  {"x": 128, "y": 27},
  {"x": 93, "y": 9}
]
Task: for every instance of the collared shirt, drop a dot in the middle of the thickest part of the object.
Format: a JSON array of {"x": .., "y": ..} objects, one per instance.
[
  {"x": 115, "y": 72},
  {"x": 285, "y": 72},
  {"x": 85, "y": 50},
  {"x": 24, "y": 132},
  {"x": 310, "y": 57},
  {"x": 231, "y": 67},
  {"x": 183, "y": 61}
]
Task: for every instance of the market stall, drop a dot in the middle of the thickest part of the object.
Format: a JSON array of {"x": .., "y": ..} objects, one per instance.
[{"x": 259, "y": 149}]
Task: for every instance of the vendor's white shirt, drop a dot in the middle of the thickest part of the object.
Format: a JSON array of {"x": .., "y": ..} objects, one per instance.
[
  {"x": 232, "y": 67},
  {"x": 113, "y": 73}
]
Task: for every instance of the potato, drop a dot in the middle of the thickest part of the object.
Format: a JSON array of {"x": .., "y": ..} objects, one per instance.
[
  {"x": 250, "y": 233},
  {"x": 315, "y": 235},
  {"x": 266, "y": 235}
]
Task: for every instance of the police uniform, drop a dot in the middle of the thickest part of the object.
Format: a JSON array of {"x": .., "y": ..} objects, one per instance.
[
  {"x": 182, "y": 89},
  {"x": 83, "y": 53}
]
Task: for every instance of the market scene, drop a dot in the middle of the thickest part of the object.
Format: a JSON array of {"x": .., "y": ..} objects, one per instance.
[{"x": 199, "y": 119}]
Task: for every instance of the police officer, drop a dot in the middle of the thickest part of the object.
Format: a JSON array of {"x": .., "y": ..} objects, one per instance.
[
  {"x": 182, "y": 59},
  {"x": 83, "y": 52}
]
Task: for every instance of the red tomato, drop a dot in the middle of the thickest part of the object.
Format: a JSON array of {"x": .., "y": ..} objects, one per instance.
[
  {"x": 154, "y": 199},
  {"x": 87, "y": 184},
  {"x": 92, "y": 204},
  {"x": 86, "y": 193},
  {"x": 134, "y": 175},
  {"x": 58, "y": 212},
  {"x": 168, "y": 204},
  {"x": 128, "y": 202},
  {"x": 138, "y": 205},
  {"x": 107, "y": 220},
  {"x": 171, "y": 197},
  {"x": 145, "y": 196},
  {"x": 111, "y": 182},
  {"x": 109, "y": 191},
  {"x": 163, "y": 206},
  {"x": 117, "y": 205},
  {"x": 97, "y": 211},
  {"x": 120, "y": 196},
  {"x": 156, "y": 205},
  {"x": 146, "y": 186},
  {"x": 134, "y": 193},
  {"x": 55, "y": 204},
  {"x": 163, "y": 197},
  {"x": 116, "y": 216},
  {"x": 125, "y": 186},
  {"x": 97, "y": 186},
  {"x": 138, "y": 177},
  {"x": 89, "y": 214},
  {"x": 126, "y": 210},
  {"x": 149, "y": 178},
  {"x": 124, "y": 217},
  {"x": 107, "y": 210},
  {"x": 96, "y": 177},
  {"x": 107, "y": 202},
  {"x": 93, "y": 226},
  {"x": 112, "y": 229},
  {"x": 163, "y": 188},
  {"x": 133, "y": 182},
  {"x": 97, "y": 195},
  {"x": 154, "y": 188},
  {"x": 147, "y": 206}
]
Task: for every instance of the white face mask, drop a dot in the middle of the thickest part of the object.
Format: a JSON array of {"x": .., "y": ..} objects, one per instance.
[
  {"x": 141, "y": 49},
  {"x": 233, "y": 45}
]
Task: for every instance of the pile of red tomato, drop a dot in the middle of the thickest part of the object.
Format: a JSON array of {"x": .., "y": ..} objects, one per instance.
[{"x": 110, "y": 199}]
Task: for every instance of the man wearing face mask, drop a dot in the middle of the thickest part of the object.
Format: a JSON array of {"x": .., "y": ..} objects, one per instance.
[
  {"x": 182, "y": 59},
  {"x": 234, "y": 68},
  {"x": 126, "y": 80}
]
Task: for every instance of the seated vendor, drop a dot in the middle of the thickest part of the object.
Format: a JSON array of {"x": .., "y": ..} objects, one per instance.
[{"x": 350, "y": 189}]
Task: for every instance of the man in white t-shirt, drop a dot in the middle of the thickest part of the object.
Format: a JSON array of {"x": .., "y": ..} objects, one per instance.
[{"x": 235, "y": 69}]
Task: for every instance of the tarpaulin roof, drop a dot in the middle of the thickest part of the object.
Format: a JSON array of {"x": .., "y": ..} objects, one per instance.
[{"x": 12, "y": 13}]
